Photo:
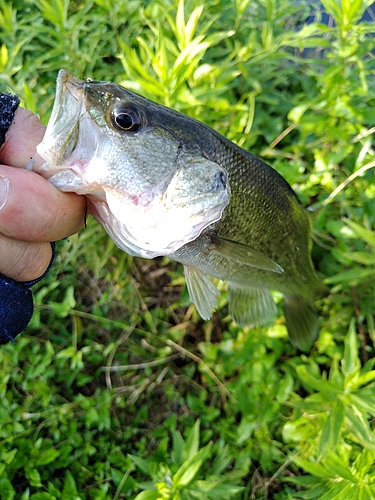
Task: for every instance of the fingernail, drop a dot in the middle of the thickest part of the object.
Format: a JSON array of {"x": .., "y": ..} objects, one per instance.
[{"x": 4, "y": 190}]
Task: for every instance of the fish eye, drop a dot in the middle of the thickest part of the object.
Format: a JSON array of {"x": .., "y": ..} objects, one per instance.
[{"x": 126, "y": 118}]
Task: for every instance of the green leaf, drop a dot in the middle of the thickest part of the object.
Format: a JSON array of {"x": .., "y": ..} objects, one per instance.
[
  {"x": 34, "y": 477},
  {"x": 366, "y": 258},
  {"x": 353, "y": 10},
  {"x": 148, "y": 495},
  {"x": 68, "y": 352},
  {"x": 359, "y": 426},
  {"x": 180, "y": 23},
  {"x": 339, "y": 467},
  {"x": 186, "y": 473},
  {"x": 3, "y": 56},
  {"x": 318, "y": 470},
  {"x": 366, "y": 378},
  {"x": 62, "y": 309},
  {"x": 7, "y": 492},
  {"x": 48, "y": 456},
  {"x": 190, "y": 468},
  {"x": 70, "y": 487},
  {"x": 192, "y": 442},
  {"x": 285, "y": 387},
  {"x": 192, "y": 53},
  {"x": 8, "y": 457},
  {"x": 331, "y": 430},
  {"x": 216, "y": 489},
  {"x": 352, "y": 276},
  {"x": 144, "y": 465},
  {"x": 55, "y": 11},
  {"x": 178, "y": 447},
  {"x": 351, "y": 363},
  {"x": 221, "y": 461},
  {"x": 365, "y": 463},
  {"x": 361, "y": 232},
  {"x": 192, "y": 23},
  {"x": 30, "y": 101},
  {"x": 321, "y": 385},
  {"x": 361, "y": 403}
]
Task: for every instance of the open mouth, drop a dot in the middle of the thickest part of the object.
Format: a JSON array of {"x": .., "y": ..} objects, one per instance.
[{"x": 61, "y": 135}]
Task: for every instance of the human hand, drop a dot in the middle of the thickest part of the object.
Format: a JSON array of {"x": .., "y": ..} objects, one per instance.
[{"x": 32, "y": 211}]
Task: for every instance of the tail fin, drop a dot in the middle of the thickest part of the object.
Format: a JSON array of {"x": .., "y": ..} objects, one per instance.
[{"x": 301, "y": 321}]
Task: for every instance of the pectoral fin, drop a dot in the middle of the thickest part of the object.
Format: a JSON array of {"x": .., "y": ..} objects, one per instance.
[
  {"x": 301, "y": 322},
  {"x": 251, "y": 306},
  {"x": 243, "y": 254},
  {"x": 201, "y": 290}
]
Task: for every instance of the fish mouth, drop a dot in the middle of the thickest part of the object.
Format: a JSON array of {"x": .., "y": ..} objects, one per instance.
[{"x": 63, "y": 126}]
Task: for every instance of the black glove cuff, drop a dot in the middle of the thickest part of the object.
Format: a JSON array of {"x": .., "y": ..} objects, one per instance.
[{"x": 8, "y": 105}]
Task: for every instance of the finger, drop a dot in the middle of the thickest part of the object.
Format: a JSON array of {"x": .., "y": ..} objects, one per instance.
[
  {"x": 23, "y": 261},
  {"x": 36, "y": 211},
  {"x": 22, "y": 138}
]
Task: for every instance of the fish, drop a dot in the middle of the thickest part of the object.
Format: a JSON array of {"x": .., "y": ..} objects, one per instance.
[{"x": 164, "y": 184}]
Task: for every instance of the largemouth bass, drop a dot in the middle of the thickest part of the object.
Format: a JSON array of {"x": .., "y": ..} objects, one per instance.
[{"x": 162, "y": 183}]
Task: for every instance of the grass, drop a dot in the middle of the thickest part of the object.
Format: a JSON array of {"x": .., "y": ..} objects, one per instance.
[{"x": 118, "y": 389}]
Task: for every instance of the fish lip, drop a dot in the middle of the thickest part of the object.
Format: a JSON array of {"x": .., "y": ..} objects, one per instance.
[
  {"x": 68, "y": 87},
  {"x": 63, "y": 126},
  {"x": 68, "y": 82}
]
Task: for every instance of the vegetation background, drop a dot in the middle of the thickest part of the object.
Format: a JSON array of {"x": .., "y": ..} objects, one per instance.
[{"x": 118, "y": 389}]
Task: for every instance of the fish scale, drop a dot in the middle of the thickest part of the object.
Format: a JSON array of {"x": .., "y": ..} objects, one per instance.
[
  {"x": 162, "y": 183},
  {"x": 265, "y": 214}
]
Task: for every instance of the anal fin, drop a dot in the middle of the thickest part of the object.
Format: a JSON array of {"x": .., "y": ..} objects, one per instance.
[
  {"x": 251, "y": 306},
  {"x": 301, "y": 322},
  {"x": 201, "y": 290}
]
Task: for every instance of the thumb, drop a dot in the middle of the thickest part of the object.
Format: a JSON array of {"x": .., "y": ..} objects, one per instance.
[{"x": 22, "y": 138}]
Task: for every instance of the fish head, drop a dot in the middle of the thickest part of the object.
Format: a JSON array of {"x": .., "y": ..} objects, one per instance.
[{"x": 151, "y": 188}]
